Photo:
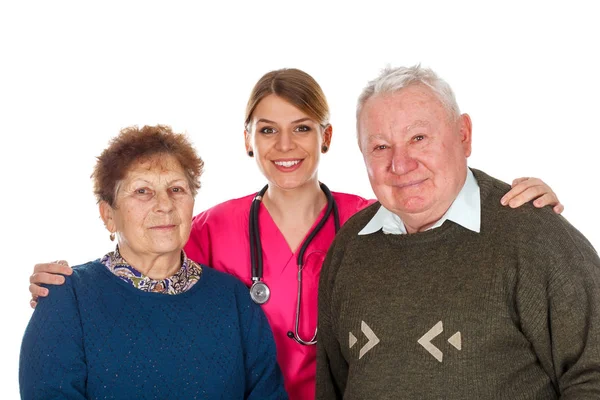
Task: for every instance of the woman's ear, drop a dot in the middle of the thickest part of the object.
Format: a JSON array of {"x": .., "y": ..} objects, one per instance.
[
  {"x": 247, "y": 137},
  {"x": 327, "y": 134},
  {"x": 107, "y": 215}
]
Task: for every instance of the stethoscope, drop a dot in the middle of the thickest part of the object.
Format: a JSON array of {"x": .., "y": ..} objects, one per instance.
[{"x": 259, "y": 291}]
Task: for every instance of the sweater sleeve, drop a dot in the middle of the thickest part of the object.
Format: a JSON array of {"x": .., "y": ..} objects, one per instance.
[
  {"x": 332, "y": 368},
  {"x": 52, "y": 362},
  {"x": 560, "y": 310},
  {"x": 264, "y": 380}
]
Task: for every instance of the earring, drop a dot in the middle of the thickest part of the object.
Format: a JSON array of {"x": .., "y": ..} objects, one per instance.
[
  {"x": 324, "y": 149},
  {"x": 250, "y": 153},
  {"x": 112, "y": 237}
]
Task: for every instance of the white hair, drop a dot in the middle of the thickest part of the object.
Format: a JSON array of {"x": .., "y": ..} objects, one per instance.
[{"x": 394, "y": 79}]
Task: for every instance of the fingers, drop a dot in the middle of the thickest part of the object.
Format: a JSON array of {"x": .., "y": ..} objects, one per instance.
[
  {"x": 56, "y": 267},
  {"x": 523, "y": 183},
  {"x": 527, "y": 189},
  {"x": 47, "y": 273},
  {"x": 47, "y": 278},
  {"x": 517, "y": 181},
  {"x": 37, "y": 291},
  {"x": 518, "y": 196},
  {"x": 519, "y": 185},
  {"x": 549, "y": 199}
]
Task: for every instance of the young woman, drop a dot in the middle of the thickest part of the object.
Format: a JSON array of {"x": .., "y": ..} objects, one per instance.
[{"x": 275, "y": 241}]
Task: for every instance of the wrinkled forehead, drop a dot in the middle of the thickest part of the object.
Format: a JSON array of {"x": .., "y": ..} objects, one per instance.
[
  {"x": 154, "y": 168},
  {"x": 157, "y": 163}
]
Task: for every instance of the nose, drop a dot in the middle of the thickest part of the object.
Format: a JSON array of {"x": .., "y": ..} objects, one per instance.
[
  {"x": 285, "y": 141},
  {"x": 164, "y": 203},
  {"x": 402, "y": 161}
]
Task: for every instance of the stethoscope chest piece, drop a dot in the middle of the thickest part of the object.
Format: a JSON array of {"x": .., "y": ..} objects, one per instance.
[{"x": 260, "y": 292}]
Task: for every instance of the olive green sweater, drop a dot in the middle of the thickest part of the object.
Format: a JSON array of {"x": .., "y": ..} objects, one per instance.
[{"x": 512, "y": 312}]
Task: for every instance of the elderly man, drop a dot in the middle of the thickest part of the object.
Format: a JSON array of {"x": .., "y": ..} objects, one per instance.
[{"x": 439, "y": 292}]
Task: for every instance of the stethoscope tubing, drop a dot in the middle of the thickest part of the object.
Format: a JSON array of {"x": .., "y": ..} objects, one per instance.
[{"x": 256, "y": 260}]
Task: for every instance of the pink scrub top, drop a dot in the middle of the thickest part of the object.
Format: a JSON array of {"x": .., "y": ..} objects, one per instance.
[{"x": 220, "y": 239}]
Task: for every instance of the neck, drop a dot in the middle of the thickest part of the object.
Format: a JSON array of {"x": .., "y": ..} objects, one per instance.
[
  {"x": 304, "y": 203},
  {"x": 418, "y": 223},
  {"x": 154, "y": 266}
]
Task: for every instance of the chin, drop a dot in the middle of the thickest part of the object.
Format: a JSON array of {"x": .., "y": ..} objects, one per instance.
[
  {"x": 290, "y": 184},
  {"x": 412, "y": 205},
  {"x": 166, "y": 248}
]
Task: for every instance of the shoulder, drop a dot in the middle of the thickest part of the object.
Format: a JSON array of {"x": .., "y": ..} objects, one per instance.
[
  {"x": 539, "y": 231},
  {"x": 549, "y": 233},
  {"x": 550, "y": 249},
  {"x": 492, "y": 190},
  {"x": 524, "y": 218},
  {"x": 346, "y": 238},
  {"x": 225, "y": 211},
  {"x": 350, "y": 204},
  {"x": 357, "y": 222},
  {"x": 83, "y": 274},
  {"x": 222, "y": 280},
  {"x": 84, "y": 279},
  {"x": 228, "y": 288}
]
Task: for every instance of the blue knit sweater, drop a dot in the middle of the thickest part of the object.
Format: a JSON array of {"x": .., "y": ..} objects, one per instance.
[{"x": 97, "y": 337}]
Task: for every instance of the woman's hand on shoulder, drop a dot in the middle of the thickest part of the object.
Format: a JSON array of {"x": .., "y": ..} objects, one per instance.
[
  {"x": 47, "y": 273},
  {"x": 525, "y": 190}
]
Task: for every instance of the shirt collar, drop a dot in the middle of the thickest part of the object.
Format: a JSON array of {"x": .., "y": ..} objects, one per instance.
[{"x": 465, "y": 211}]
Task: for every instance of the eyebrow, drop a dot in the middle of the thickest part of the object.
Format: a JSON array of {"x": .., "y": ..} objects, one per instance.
[
  {"x": 418, "y": 124},
  {"x": 302, "y": 120},
  {"x": 268, "y": 121},
  {"x": 136, "y": 180},
  {"x": 375, "y": 137}
]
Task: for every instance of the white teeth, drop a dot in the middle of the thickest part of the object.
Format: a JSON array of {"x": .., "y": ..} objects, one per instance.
[{"x": 287, "y": 164}]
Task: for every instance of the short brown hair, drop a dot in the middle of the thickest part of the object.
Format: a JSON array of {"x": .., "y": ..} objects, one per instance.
[
  {"x": 295, "y": 86},
  {"x": 133, "y": 145}
]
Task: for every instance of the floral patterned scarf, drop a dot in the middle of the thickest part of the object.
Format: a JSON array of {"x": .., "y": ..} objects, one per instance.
[{"x": 183, "y": 280}]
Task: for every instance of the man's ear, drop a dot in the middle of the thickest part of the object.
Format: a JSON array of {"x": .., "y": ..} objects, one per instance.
[
  {"x": 466, "y": 130},
  {"x": 107, "y": 215}
]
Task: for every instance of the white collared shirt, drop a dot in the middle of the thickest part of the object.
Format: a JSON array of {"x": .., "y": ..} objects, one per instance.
[{"x": 465, "y": 211}]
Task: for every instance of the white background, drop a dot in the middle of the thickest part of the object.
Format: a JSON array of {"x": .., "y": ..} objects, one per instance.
[{"x": 73, "y": 74}]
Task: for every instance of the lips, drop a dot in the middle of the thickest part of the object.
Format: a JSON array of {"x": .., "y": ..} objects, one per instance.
[
  {"x": 163, "y": 227},
  {"x": 412, "y": 183},
  {"x": 290, "y": 162},
  {"x": 287, "y": 165}
]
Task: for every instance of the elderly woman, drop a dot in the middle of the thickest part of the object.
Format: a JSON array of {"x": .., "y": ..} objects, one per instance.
[{"x": 145, "y": 321}]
